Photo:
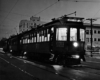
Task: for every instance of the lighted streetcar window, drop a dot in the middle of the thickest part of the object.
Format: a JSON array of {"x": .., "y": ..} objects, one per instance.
[
  {"x": 73, "y": 34},
  {"x": 32, "y": 39},
  {"x": 61, "y": 34},
  {"x": 82, "y": 35},
  {"x": 28, "y": 41},
  {"x": 37, "y": 37}
]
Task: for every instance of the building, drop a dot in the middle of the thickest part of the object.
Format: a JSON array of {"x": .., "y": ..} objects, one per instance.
[
  {"x": 26, "y": 25},
  {"x": 95, "y": 34},
  {"x": 95, "y": 37}
]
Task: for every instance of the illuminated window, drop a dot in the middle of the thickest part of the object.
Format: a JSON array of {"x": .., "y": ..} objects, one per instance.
[
  {"x": 28, "y": 41},
  {"x": 42, "y": 38},
  {"x": 73, "y": 34},
  {"x": 32, "y": 39},
  {"x": 48, "y": 37},
  {"x": 45, "y": 38},
  {"x": 61, "y": 34},
  {"x": 45, "y": 35},
  {"x": 20, "y": 41},
  {"x": 52, "y": 30},
  {"x": 82, "y": 34},
  {"x": 37, "y": 37},
  {"x": 25, "y": 41}
]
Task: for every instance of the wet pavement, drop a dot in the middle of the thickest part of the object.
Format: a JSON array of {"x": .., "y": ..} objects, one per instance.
[
  {"x": 16, "y": 69},
  {"x": 9, "y": 72},
  {"x": 25, "y": 70}
]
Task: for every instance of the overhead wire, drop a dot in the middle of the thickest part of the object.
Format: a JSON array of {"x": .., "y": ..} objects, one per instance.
[
  {"x": 96, "y": 14},
  {"x": 80, "y": 0},
  {"x": 9, "y": 12},
  {"x": 46, "y": 8},
  {"x": 34, "y": 14},
  {"x": 43, "y": 9},
  {"x": 25, "y": 15},
  {"x": 15, "y": 13}
]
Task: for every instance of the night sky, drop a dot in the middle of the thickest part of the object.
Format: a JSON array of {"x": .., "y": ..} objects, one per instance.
[{"x": 12, "y": 11}]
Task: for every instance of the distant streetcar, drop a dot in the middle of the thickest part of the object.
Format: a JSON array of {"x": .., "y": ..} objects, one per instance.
[{"x": 60, "y": 41}]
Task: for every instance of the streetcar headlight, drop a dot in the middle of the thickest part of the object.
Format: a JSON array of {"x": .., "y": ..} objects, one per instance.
[
  {"x": 10, "y": 50},
  {"x": 76, "y": 56},
  {"x": 25, "y": 53},
  {"x": 75, "y": 44}
]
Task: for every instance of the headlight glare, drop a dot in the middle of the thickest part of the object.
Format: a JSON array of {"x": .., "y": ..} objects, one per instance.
[
  {"x": 75, "y": 44},
  {"x": 76, "y": 56}
]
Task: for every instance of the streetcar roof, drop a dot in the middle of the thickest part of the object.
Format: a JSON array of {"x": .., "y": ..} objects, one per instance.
[{"x": 53, "y": 22}]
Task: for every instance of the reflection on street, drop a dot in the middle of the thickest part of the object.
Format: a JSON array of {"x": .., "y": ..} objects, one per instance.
[{"x": 57, "y": 68}]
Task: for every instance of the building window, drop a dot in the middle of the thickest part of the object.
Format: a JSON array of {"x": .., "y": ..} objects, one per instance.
[
  {"x": 98, "y": 32},
  {"x": 98, "y": 39},
  {"x": 94, "y": 31},
  {"x": 94, "y": 39},
  {"x": 87, "y": 31}
]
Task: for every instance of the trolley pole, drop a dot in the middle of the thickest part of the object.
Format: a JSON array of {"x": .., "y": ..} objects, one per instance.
[
  {"x": 71, "y": 13},
  {"x": 91, "y": 22}
]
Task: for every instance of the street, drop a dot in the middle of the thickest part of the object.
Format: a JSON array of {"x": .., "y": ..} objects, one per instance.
[
  {"x": 15, "y": 68},
  {"x": 49, "y": 40}
]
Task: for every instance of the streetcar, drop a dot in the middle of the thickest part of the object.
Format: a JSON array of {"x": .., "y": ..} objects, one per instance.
[{"x": 60, "y": 41}]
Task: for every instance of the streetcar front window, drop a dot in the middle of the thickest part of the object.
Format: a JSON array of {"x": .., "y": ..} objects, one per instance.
[
  {"x": 82, "y": 34},
  {"x": 73, "y": 34},
  {"x": 61, "y": 34}
]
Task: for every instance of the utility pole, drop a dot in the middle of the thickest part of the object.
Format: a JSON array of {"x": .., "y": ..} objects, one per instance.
[{"x": 91, "y": 22}]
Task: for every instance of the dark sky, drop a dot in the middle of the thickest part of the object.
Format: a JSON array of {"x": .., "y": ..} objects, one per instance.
[{"x": 12, "y": 11}]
